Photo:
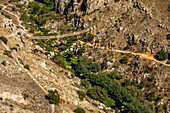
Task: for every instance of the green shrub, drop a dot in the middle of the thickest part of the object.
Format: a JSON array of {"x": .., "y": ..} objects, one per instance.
[
  {"x": 4, "y": 39},
  {"x": 4, "y": 62},
  {"x": 89, "y": 38},
  {"x": 124, "y": 60},
  {"x": 81, "y": 94},
  {"x": 117, "y": 0},
  {"x": 7, "y": 16},
  {"x": 24, "y": 17},
  {"x": 13, "y": 9},
  {"x": 85, "y": 83},
  {"x": 53, "y": 97},
  {"x": 110, "y": 102},
  {"x": 8, "y": 53},
  {"x": 27, "y": 67},
  {"x": 19, "y": 5},
  {"x": 94, "y": 67},
  {"x": 58, "y": 60},
  {"x": 25, "y": 96},
  {"x": 81, "y": 51},
  {"x": 79, "y": 110},
  {"x": 161, "y": 55},
  {"x": 160, "y": 108},
  {"x": 31, "y": 30},
  {"x": 98, "y": 93}
]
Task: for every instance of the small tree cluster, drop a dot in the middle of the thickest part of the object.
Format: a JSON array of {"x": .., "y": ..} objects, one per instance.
[
  {"x": 161, "y": 55},
  {"x": 53, "y": 97}
]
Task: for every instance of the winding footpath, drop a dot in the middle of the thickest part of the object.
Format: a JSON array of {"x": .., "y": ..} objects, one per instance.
[{"x": 145, "y": 56}]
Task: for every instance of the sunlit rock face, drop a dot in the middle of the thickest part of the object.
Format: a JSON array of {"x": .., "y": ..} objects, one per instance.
[{"x": 68, "y": 6}]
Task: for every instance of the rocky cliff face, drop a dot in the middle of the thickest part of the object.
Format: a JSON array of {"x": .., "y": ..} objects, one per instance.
[{"x": 68, "y": 6}]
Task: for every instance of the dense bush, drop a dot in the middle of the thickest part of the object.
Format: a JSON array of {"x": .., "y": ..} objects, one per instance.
[
  {"x": 161, "y": 55},
  {"x": 49, "y": 3},
  {"x": 160, "y": 108},
  {"x": 27, "y": 67},
  {"x": 58, "y": 60},
  {"x": 53, "y": 97},
  {"x": 114, "y": 75},
  {"x": 79, "y": 110},
  {"x": 94, "y": 67},
  {"x": 24, "y": 17},
  {"x": 106, "y": 84},
  {"x": 104, "y": 64},
  {"x": 81, "y": 51},
  {"x": 124, "y": 60},
  {"x": 4, "y": 62},
  {"x": 4, "y": 39},
  {"x": 98, "y": 93},
  {"x": 85, "y": 83},
  {"x": 81, "y": 94},
  {"x": 7, "y": 16}
]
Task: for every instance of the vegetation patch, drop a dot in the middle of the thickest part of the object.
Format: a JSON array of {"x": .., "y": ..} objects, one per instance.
[
  {"x": 53, "y": 97},
  {"x": 27, "y": 67},
  {"x": 161, "y": 55},
  {"x": 79, "y": 110},
  {"x": 5, "y": 40},
  {"x": 8, "y": 53},
  {"x": 4, "y": 62},
  {"x": 81, "y": 94}
]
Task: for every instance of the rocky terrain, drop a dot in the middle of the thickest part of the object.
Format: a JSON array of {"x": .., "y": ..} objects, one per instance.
[{"x": 135, "y": 30}]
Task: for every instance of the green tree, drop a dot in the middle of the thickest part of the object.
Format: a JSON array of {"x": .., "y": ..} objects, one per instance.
[
  {"x": 81, "y": 94},
  {"x": 98, "y": 93},
  {"x": 160, "y": 108},
  {"x": 124, "y": 60},
  {"x": 161, "y": 55},
  {"x": 53, "y": 97},
  {"x": 94, "y": 67},
  {"x": 85, "y": 83},
  {"x": 4, "y": 39},
  {"x": 110, "y": 102}
]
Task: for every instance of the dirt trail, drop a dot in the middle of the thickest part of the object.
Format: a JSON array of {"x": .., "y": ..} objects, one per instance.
[
  {"x": 17, "y": 18},
  {"x": 145, "y": 56}
]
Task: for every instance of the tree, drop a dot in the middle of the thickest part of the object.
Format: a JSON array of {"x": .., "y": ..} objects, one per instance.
[
  {"x": 81, "y": 94},
  {"x": 94, "y": 67},
  {"x": 58, "y": 60},
  {"x": 160, "y": 108},
  {"x": 53, "y": 97},
  {"x": 110, "y": 102},
  {"x": 85, "y": 83},
  {"x": 161, "y": 55},
  {"x": 4, "y": 39},
  {"x": 124, "y": 60},
  {"x": 81, "y": 51},
  {"x": 98, "y": 93},
  {"x": 104, "y": 64}
]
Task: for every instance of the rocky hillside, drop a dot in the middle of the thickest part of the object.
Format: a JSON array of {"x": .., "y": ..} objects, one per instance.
[
  {"x": 120, "y": 65},
  {"x": 26, "y": 77}
]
